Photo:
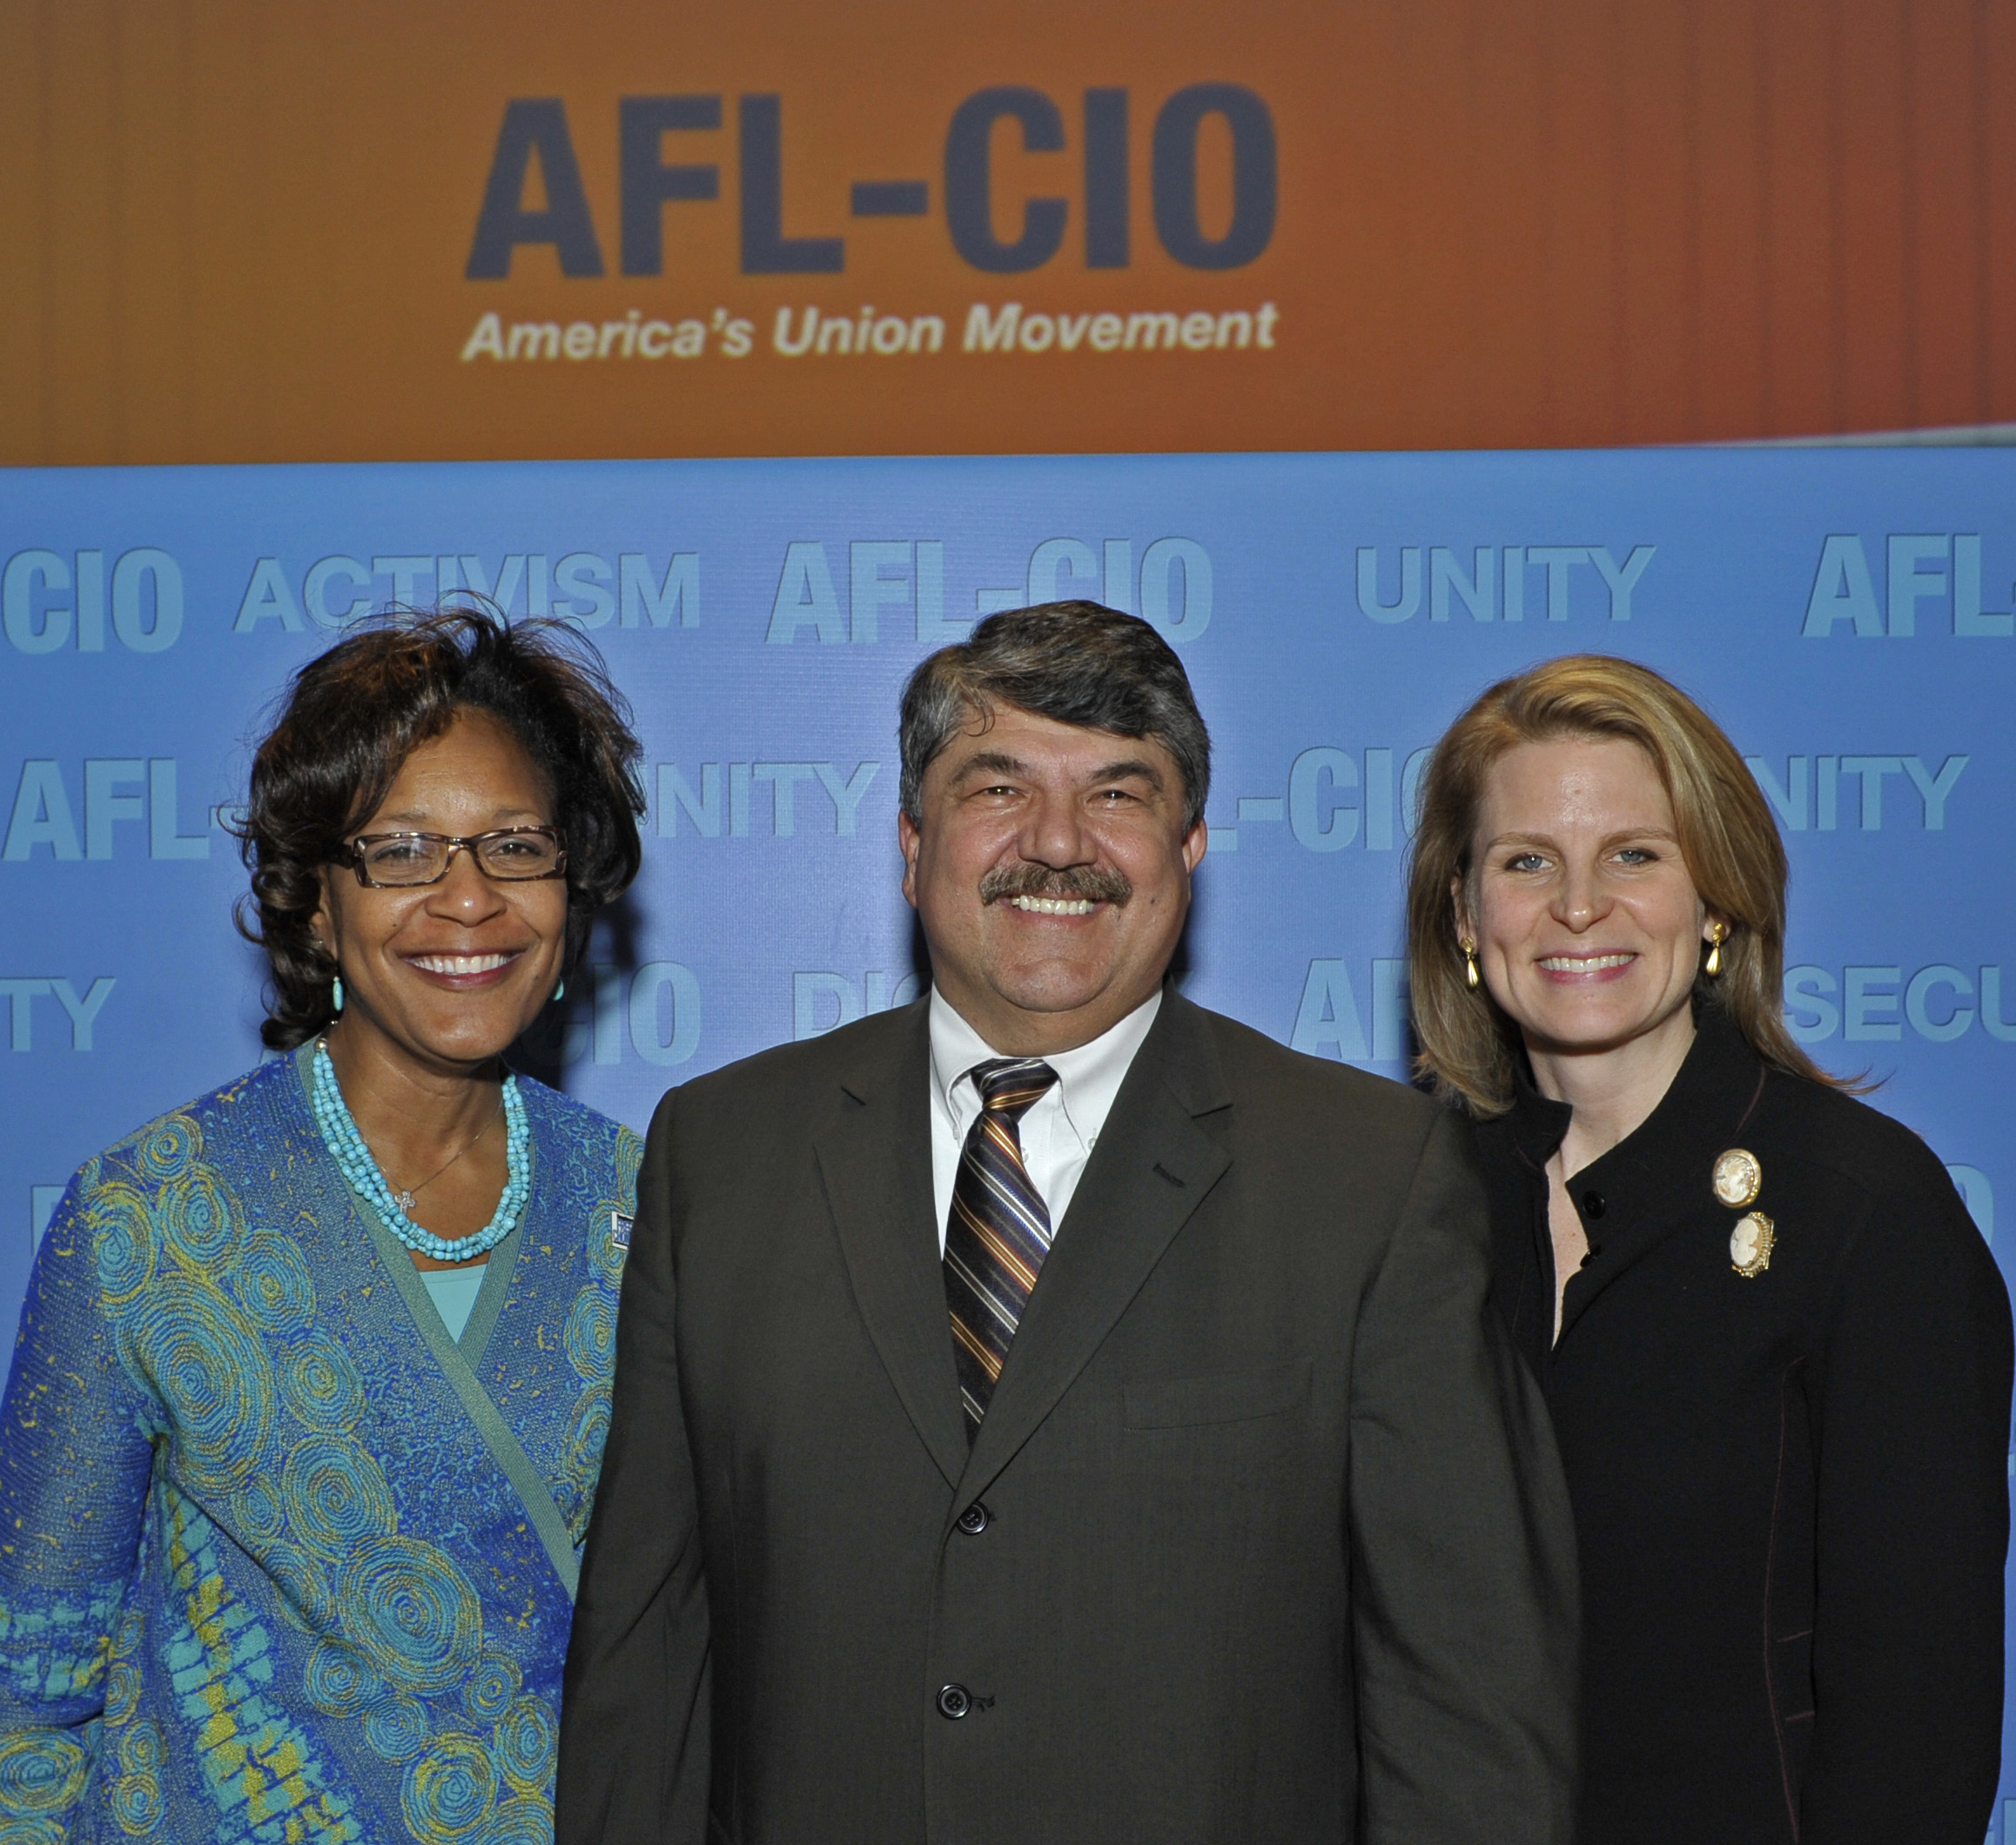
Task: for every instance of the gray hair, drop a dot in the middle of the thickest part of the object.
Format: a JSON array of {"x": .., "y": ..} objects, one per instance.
[{"x": 1073, "y": 662}]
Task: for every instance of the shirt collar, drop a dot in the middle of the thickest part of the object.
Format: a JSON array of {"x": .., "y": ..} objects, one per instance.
[
  {"x": 1088, "y": 1078},
  {"x": 1708, "y": 1102}
]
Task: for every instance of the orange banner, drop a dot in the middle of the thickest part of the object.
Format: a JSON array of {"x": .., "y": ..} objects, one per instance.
[{"x": 260, "y": 232}]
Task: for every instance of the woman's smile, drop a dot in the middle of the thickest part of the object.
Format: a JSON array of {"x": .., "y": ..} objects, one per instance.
[
  {"x": 1585, "y": 966},
  {"x": 464, "y": 971}
]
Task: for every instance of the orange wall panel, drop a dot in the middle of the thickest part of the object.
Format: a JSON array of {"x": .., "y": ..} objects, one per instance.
[{"x": 241, "y": 232}]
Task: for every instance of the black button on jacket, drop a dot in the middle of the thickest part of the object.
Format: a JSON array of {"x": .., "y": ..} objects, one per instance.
[{"x": 1789, "y": 1489}]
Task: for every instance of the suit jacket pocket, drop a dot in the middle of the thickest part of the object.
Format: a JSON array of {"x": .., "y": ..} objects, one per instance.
[{"x": 1176, "y": 1403}]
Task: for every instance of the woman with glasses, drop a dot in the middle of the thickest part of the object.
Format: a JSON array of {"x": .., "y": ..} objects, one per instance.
[{"x": 308, "y": 1403}]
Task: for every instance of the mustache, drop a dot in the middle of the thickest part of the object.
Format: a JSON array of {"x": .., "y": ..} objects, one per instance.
[{"x": 1098, "y": 884}]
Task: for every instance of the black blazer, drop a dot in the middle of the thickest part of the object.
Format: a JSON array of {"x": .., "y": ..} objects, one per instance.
[
  {"x": 1263, "y": 1538},
  {"x": 1789, "y": 1488}
]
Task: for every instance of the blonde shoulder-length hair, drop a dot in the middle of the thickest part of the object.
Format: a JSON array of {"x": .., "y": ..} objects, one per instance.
[{"x": 1728, "y": 840}]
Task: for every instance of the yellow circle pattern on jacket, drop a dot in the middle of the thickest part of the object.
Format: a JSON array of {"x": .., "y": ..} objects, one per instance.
[{"x": 191, "y": 1287}]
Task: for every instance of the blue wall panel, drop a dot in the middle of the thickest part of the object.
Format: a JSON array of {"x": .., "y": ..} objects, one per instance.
[{"x": 1845, "y": 613}]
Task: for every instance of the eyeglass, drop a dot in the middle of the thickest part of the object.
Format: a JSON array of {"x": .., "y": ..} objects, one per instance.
[{"x": 399, "y": 861}]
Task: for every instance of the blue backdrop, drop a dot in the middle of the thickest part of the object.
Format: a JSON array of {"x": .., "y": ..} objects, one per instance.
[{"x": 1845, "y": 614}]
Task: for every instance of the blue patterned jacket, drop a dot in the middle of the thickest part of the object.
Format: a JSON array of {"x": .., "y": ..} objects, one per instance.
[{"x": 279, "y": 1560}]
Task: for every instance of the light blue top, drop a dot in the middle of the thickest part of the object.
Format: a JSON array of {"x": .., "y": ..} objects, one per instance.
[{"x": 453, "y": 1292}]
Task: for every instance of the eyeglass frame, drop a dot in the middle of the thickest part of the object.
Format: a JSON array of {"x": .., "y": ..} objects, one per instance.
[{"x": 455, "y": 843}]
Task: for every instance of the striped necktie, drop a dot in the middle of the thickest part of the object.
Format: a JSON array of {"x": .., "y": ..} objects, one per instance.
[{"x": 998, "y": 1231}]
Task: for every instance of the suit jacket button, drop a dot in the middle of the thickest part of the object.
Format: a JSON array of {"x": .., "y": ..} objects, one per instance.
[
  {"x": 974, "y": 1519},
  {"x": 1592, "y": 1204},
  {"x": 954, "y": 1702}
]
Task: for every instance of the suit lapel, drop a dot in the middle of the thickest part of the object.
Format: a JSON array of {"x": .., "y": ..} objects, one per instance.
[
  {"x": 1152, "y": 1167},
  {"x": 875, "y": 1161}
]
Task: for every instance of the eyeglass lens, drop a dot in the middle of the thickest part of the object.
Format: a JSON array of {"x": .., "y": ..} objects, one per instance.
[{"x": 420, "y": 858}]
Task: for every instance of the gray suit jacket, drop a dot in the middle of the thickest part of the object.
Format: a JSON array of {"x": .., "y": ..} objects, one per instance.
[{"x": 1264, "y": 1536}]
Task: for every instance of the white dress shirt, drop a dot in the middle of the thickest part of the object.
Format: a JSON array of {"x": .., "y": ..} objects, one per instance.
[{"x": 1058, "y": 1131}]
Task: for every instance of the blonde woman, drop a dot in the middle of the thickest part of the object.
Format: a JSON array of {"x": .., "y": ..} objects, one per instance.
[{"x": 1777, "y": 1352}]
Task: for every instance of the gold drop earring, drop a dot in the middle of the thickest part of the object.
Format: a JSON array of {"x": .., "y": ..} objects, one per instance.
[
  {"x": 1717, "y": 937},
  {"x": 1471, "y": 978}
]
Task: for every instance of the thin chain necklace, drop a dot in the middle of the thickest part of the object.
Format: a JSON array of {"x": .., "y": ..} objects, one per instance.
[
  {"x": 405, "y": 1199},
  {"x": 347, "y": 1146}
]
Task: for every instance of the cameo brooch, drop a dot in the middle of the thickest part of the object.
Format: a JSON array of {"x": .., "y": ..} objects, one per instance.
[
  {"x": 1749, "y": 1244},
  {"x": 1738, "y": 1178}
]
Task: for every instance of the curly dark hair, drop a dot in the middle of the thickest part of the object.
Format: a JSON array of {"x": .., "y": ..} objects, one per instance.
[{"x": 353, "y": 715}]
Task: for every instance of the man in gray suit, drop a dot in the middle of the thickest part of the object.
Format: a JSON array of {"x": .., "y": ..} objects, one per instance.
[{"x": 1052, "y": 1414}]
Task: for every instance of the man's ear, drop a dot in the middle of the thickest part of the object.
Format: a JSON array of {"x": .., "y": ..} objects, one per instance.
[
  {"x": 910, "y": 840},
  {"x": 1195, "y": 842}
]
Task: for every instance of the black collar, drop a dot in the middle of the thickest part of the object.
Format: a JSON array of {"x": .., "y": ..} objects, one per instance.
[
  {"x": 1658, "y": 1175},
  {"x": 1702, "y": 1103}
]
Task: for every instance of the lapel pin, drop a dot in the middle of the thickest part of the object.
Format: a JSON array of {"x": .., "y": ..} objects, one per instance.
[
  {"x": 1749, "y": 1244},
  {"x": 1738, "y": 1178}
]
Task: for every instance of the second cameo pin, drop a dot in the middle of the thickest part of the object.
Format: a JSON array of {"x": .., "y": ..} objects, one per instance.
[{"x": 1749, "y": 1244}]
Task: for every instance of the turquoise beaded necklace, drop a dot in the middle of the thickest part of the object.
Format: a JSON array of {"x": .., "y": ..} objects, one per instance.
[{"x": 347, "y": 1149}]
